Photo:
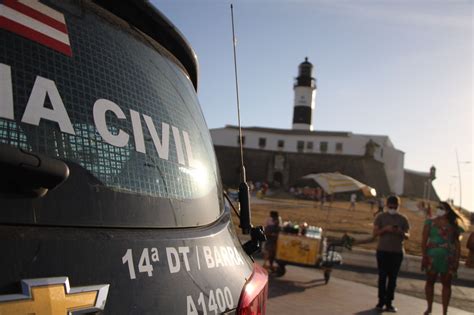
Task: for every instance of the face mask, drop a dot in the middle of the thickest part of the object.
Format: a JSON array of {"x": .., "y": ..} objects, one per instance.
[
  {"x": 392, "y": 211},
  {"x": 440, "y": 212}
]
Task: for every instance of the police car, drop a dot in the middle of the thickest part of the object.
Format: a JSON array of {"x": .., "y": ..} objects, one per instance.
[{"x": 110, "y": 194}]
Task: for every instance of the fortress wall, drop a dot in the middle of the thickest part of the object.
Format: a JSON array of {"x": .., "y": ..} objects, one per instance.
[
  {"x": 256, "y": 164},
  {"x": 260, "y": 166},
  {"x": 414, "y": 185}
]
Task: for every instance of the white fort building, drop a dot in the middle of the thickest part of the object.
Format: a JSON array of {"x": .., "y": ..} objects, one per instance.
[{"x": 282, "y": 156}]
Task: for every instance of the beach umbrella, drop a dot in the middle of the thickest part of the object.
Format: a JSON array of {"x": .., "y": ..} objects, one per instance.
[{"x": 336, "y": 182}]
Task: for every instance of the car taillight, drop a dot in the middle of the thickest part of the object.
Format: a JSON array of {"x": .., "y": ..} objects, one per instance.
[{"x": 253, "y": 300}]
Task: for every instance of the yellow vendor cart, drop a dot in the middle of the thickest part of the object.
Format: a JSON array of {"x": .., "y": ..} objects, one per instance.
[{"x": 311, "y": 249}]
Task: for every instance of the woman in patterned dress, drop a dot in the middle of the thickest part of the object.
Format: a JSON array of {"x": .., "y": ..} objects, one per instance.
[
  {"x": 441, "y": 251},
  {"x": 470, "y": 255}
]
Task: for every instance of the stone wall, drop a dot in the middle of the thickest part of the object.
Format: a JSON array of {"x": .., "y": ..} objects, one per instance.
[
  {"x": 414, "y": 186},
  {"x": 287, "y": 168}
]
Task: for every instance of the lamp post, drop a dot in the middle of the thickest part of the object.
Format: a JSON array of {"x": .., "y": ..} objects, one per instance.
[
  {"x": 431, "y": 178},
  {"x": 459, "y": 176},
  {"x": 449, "y": 195},
  {"x": 425, "y": 184}
]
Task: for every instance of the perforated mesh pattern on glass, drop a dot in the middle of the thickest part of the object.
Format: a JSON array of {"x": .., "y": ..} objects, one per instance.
[
  {"x": 113, "y": 62},
  {"x": 12, "y": 134}
]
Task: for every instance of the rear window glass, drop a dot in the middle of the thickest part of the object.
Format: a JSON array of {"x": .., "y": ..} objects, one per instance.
[{"x": 131, "y": 131}]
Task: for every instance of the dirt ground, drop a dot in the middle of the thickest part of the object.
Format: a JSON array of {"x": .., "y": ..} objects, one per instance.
[{"x": 336, "y": 219}]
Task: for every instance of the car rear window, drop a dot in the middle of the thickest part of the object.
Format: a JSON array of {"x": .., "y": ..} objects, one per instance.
[{"x": 132, "y": 131}]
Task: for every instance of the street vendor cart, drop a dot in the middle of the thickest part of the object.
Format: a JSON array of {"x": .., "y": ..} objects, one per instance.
[{"x": 311, "y": 249}]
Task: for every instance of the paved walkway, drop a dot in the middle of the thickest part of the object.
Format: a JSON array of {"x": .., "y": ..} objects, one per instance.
[
  {"x": 302, "y": 291},
  {"x": 412, "y": 284}
]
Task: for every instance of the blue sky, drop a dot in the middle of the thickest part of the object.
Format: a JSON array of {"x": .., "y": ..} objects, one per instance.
[{"x": 397, "y": 68}]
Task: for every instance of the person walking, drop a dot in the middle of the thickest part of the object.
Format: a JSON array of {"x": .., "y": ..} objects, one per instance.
[
  {"x": 323, "y": 200},
  {"x": 380, "y": 206},
  {"x": 441, "y": 249},
  {"x": 272, "y": 228},
  {"x": 392, "y": 229},
  {"x": 353, "y": 200},
  {"x": 426, "y": 208}
]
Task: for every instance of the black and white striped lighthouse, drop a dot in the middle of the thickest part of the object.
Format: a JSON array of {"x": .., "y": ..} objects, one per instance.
[{"x": 305, "y": 95}]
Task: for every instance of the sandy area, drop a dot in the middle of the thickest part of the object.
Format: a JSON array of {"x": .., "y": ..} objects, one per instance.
[{"x": 337, "y": 219}]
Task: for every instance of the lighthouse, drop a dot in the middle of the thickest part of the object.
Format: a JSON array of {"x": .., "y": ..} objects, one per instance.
[{"x": 305, "y": 95}]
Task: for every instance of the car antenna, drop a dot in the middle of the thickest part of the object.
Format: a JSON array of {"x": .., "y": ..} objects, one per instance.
[
  {"x": 245, "y": 212},
  {"x": 256, "y": 233}
]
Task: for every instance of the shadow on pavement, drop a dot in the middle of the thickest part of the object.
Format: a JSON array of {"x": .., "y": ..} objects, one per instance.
[
  {"x": 372, "y": 311},
  {"x": 278, "y": 287},
  {"x": 403, "y": 274}
]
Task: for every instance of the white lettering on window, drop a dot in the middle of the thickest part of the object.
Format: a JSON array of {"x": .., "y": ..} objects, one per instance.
[
  {"x": 137, "y": 131},
  {"x": 6, "y": 92},
  {"x": 162, "y": 147},
  {"x": 189, "y": 151},
  {"x": 179, "y": 147},
  {"x": 101, "y": 106},
  {"x": 35, "y": 110}
]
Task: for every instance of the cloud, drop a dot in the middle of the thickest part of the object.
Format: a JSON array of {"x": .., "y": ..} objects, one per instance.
[{"x": 442, "y": 14}]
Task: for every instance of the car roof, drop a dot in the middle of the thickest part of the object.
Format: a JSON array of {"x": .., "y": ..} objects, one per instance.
[{"x": 147, "y": 18}]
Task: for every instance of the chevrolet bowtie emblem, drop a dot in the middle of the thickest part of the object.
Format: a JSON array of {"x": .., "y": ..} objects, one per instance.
[{"x": 54, "y": 296}]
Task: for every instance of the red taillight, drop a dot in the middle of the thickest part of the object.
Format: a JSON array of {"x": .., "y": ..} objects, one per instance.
[{"x": 253, "y": 300}]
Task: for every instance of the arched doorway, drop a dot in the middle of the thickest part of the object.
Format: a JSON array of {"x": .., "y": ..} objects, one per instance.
[{"x": 277, "y": 179}]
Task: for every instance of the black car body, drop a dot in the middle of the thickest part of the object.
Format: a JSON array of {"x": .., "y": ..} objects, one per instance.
[{"x": 110, "y": 194}]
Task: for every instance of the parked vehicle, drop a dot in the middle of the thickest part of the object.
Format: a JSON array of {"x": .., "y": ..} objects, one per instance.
[{"x": 110, "y": 194}]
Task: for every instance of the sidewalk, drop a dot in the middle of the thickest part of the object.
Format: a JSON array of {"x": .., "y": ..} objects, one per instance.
[
  {"x": 462, "y": 296},
  {"x": 366, "y": 258},
  {"x": 360, "y": 266},
  {"x": 302, "y": 291}
]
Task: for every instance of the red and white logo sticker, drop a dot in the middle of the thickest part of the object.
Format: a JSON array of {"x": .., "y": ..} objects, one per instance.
[{"x": 36, "y": 21}]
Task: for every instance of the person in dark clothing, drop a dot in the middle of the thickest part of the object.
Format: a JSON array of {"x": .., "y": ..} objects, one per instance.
[
  {"x": 380, "y": 206},
  {"x": 392, "y": 229},
  {"x": 272, "y": 228}
]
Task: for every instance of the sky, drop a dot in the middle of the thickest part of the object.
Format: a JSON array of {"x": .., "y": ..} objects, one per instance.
[{"x": 397, "y": 68}]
